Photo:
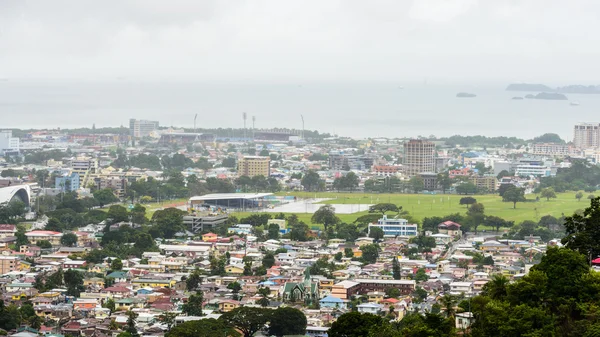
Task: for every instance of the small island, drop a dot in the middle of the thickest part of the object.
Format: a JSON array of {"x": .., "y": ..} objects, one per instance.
[
  {"x": 551, "y": 96},
  {"x": 569, "y": 89},
  {"x": 465, "y": 95},
  {"x": 517, "y": 98},
  {"x": 528, "y": 87}
]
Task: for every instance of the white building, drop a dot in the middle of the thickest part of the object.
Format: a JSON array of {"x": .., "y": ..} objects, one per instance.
[
  {"x": 141, "y": 128},
  {"x": 8, "y": 143},
  {"x": 586, "y": 135},
  {"x": 395, "y": 227},
  {"x": 551, "y": 149}
]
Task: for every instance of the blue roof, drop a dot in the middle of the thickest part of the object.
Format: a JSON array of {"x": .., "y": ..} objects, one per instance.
[
  {"x": 331, "y": 299},
  {"x": 267, "y": 283}
]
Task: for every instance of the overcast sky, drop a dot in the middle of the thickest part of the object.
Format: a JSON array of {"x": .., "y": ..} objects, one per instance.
[{"x": 552, "y": 41}]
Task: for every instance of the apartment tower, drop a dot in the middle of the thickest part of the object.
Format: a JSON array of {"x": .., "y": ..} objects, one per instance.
[
  {"x": 418, "y": 157},
  {"x": 586, "y": 135},
  {"x": 254, "y": 166}
]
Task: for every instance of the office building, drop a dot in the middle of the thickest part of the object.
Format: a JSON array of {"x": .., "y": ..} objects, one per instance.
[
  {"x": 487, "y": 182},
  {"x": 419, "y": 156},
  {"x": 254, "y": 166},
  {"x": 8, "y": 143},
  {"x": 340, "y": 161},
  {"x": 68, "y": 182},
  {"x": 202, "y": 223},
  {"x": 141, "y": 128},
  {"x": 586, "y": 135},
  {"x": 551, "y": 149},
  {"x": 395, "y": 227},
  {"x": 8, "y": 264}
]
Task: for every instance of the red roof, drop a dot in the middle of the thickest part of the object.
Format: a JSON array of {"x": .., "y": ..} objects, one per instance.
[
  {"x": 448, "y": 224},
  {"x": 7, "y": 227}
]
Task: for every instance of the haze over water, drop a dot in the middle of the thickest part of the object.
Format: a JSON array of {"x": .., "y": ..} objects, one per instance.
[{"x": 349, "y": 109}]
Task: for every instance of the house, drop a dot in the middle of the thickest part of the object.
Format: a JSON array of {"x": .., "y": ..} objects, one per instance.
[
  {"x": 493, "y": 247},
  {"x": 209, "y": 237},
  {"x": 461, "y": 287},
  {"x": 375, "y": 296},
  {"x": 228, "y": 305},
  {"x": 232, "y": 269},
  {"x": 118, "y": 276},
  {"x": 332, "y": 302},
  {"x": 450, "y": 228},
  {"x": 74, "y": 264},
  {"x": 40, "y": 235},
  {"x": 84, "y": 304},
  {"x": 463, "y": 320},
  {"x": 7, "y": 230},
  {"x": 370, "y": 308}
]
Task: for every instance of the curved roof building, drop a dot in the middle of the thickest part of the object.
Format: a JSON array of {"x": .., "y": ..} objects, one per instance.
[{"x": 18, "y": 192}]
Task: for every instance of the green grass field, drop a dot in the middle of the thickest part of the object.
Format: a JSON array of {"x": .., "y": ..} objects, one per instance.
[{"x": 424, "y": 205}]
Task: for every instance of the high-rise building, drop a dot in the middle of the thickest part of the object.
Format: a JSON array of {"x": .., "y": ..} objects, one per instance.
[
  {"x": 141, "y": 128},
  {"x": 8, "y": 143},
  {"x": 586, "y": 135},
  {"x": 254, "y": 166},
  {"x": 418, "y": 157}
]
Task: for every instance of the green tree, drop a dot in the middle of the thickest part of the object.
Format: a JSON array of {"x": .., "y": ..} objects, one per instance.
[
  {"x": 68, "y": 240},
  {"x": 167, "y": 222},
  {"x": 268, "y": 260},
  {"x": 384, "y": 208},
  {"x": 338, "y": 256},
  {"x": 311, "y": 181},
  {"x": 73, "y": 280},
  {"x": 548, "y": 193},
  {"x": 247, "y": 320},
  {"x": 496, "y": 287},
  {"x": 193, "y": 281},
  {"x": 496, "y": 222},
  {"x": 416, "y": 184},
  {"x": 354, "y": 324},
  {"x": 130, "y": 326},
  {"x": 273, "y": 231},
  {"x": 118, "y": 213},
  {"x": 44, "y": 244},
  {"x": 348, "y": 252},
  {"x": 475, "y": 215},
  {"x": 138, "y": 214},
  {"x": 466, "y": 188},
  {"x": 467, "y": 201},
  {"x": 514, "y": 194},
  {"x": 264, "y": 293},
  {"x": 325, "y": 215},
  {"x": 396, "y": 271},
  {"x": 193, "y": 306},
  {"x": 105, "y": 196},
  {"x": 370, "y": 253},
  {"x": 208, "y": 327},
  {"x": 287, "y": 321},
  {"x": 421, "y": 275},
  {"x": 376, "y": 233},
  {"x": 444, "y": 181},
  {"x": 583, "y": 231},
  {"x": 116, "y": 264}
]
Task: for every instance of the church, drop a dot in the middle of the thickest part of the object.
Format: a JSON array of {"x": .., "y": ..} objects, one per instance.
[{"x": 306, "y": 291}]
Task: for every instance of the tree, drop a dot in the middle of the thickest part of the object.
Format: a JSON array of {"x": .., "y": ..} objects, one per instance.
[
  {"x": 130, "y": 327},
  {"x": 311, "y": 180},
  {"x": 496, "y": 287},
  {"x": 578, "y": 196},
  {"x": 287, "y": 321},
  {"x": 193, "y": 307},
  {"x": 273, "y": 231},
  {"x": 118, "y": 213},
  {"x": 376, "y": 233},
  {"x": 354, "y": 324},
  {"x": 467, "y": 201},
  {"x": 496, "y": 222},
  {"x": 168, "y": 222},
  {"x": 264, "y": 293},
  {"x": 193, "y": 281},
  {"x": 466, "y": 188},
  {"x": 68, "y": 240},
  {"x": 73, "y": 280},
  {"x": 384, "y": 208},
  {"x": 208, "y": 327},
  {"x": 444, "y": 181},
  {"x": 475, "y": 215},
  {"x": 416, "y": 184},
  {"x": 548, "y": 221},
  {"x": 583, "y": 231},
  {"x": 168, "y": 318},
  {"x": 502, "y": 174},
  {"x": 44, "y": 244},
  {"x": 110, "y": 305},
  {"x": 421, "y": 275},
  {"x": 348, "y": 252},
  {"x": 396, "y": 271},
  {"x": 393, "y": 292},
  {"x": 138, "y": 214},
  {"x": 268, "y": 260},
  {"x": 105, "y": 196},
  {"x": 325, "y": 215},
  {"x": 55, "y": 225},
  {"x": 514, "y": 194},
  {"x": 247, "y": 320},
  {"x": 370, "y": 252},
  {"x": 116, "y": 264},
  {"x": 548, "y": 193}
]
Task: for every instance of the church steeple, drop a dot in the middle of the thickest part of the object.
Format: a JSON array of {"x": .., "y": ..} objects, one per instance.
[{"x": 307, "y": 281}]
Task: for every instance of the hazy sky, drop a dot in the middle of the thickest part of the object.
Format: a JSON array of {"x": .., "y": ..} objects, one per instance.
[{"x": 553, "y": 41}]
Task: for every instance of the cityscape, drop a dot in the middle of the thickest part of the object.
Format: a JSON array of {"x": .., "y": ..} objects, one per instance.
[{"x": 413, "y": 168}]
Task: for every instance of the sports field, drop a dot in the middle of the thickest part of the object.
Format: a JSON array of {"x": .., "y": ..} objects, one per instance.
[{"x": 425, "y": 205}]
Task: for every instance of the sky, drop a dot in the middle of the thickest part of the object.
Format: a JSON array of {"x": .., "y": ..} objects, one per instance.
[{"x": 550, "y": 41}]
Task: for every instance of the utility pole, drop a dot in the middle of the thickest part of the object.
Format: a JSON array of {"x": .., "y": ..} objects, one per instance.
[
  {"x": 301, "y": 116},
  {"x": 196, "y": 116}
]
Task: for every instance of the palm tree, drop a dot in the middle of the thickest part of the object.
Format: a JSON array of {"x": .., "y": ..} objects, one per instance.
[
  {"x": 448, "y": 301},
  {"x": 264, "y": 292},
  {"x": 496, "y": 287}
]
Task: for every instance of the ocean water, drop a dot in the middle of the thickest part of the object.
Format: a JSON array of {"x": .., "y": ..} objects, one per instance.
[{"x": 352, "y": 109}]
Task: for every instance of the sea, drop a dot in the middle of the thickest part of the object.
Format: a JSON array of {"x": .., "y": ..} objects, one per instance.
[{"x": 355, "y": 109}]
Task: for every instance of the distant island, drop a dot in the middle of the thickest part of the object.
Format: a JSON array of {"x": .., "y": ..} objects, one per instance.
[
  {"x": 517, "y": 98},
  {"x": 465, "y": 95},
  {"x": 550, "y": 96},
  {"x": 569, "y": 89},
  {"x": 528, "y": 87}
]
